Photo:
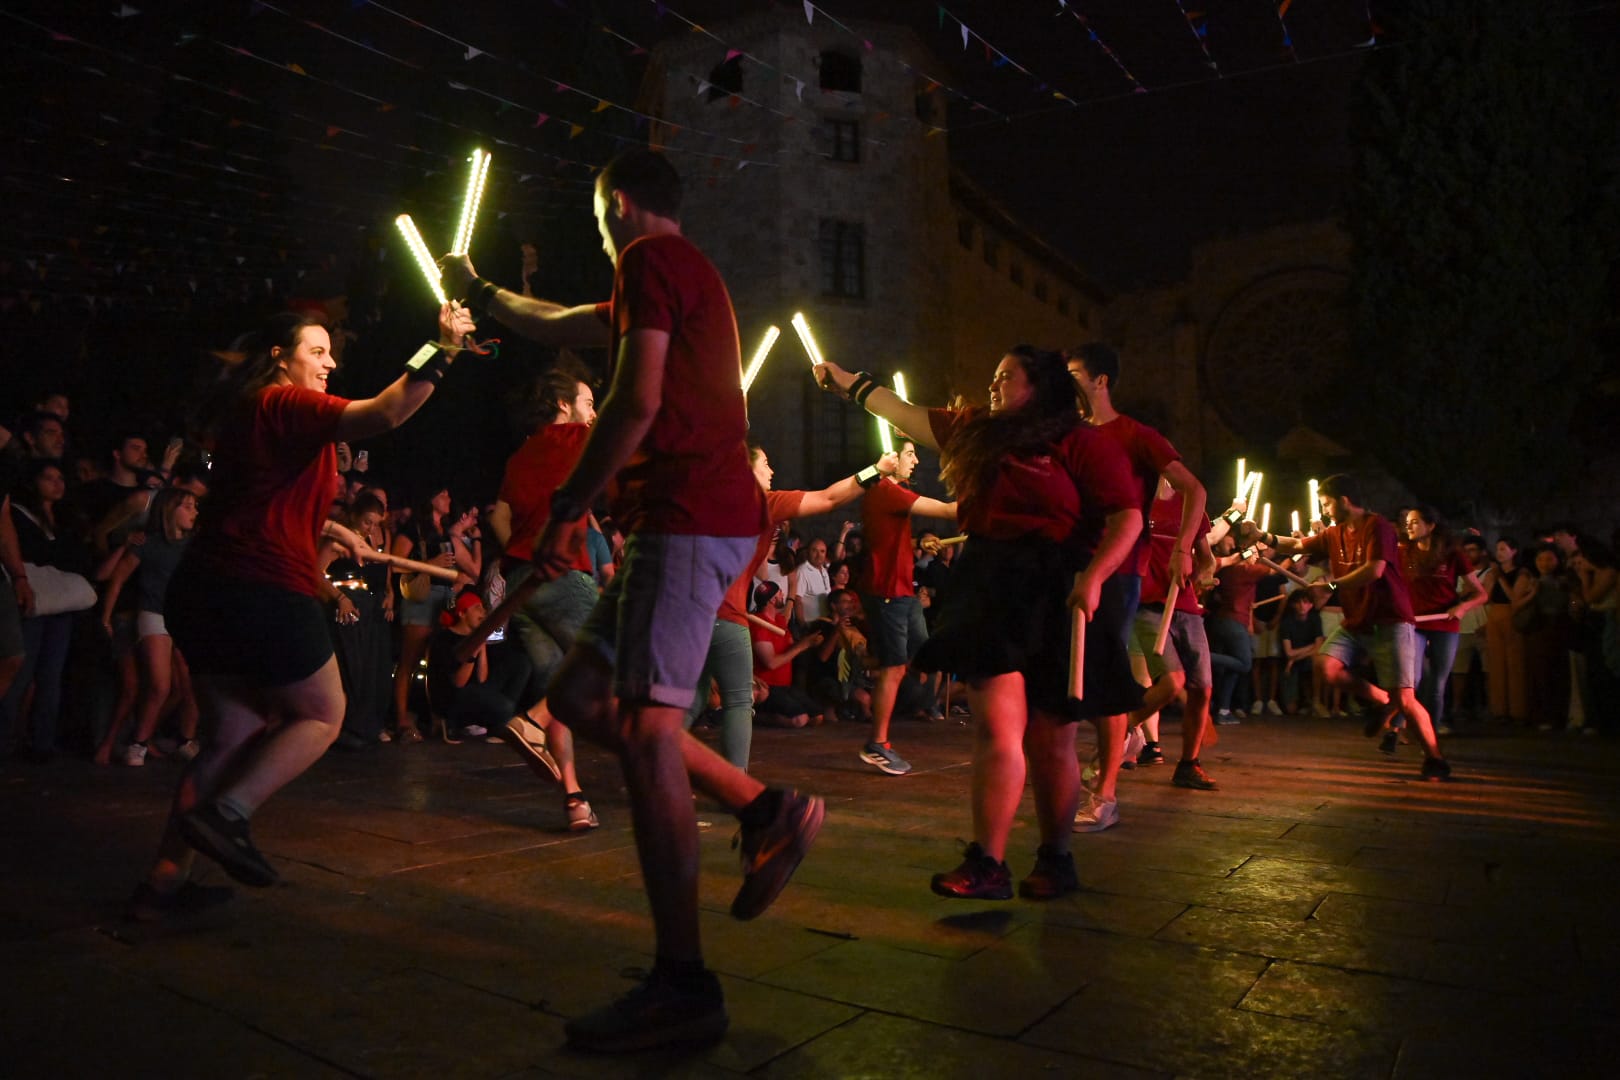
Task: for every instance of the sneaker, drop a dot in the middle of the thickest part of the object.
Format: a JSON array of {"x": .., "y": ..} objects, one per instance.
[
  {"x": 384, "y": 736},
  {"x": 135, "y": 755},
  {"x": 188, "y": 750},
  {"x": 885, "y": 759},
  {"x": 1444, "y": 729},
  {"x": 771, "y": 854},
  {"x": 1052, "y": 877},
  {"x": 474, "y": 731},
  {"x": 658, "y": 1012},
  {"x": 1135, "y": 741},
  {"x": 1190, "y": 774},
  {"x": 1151, "y": 755},
  {"x": 148, "y": 905},
  {"x": 1374, "y": 720},
  {"x": 1273, "y": 708},
  {"x": 1240, "y": 714},
  {"x": 1319, "y": 711},
  {"x": 226, "y": 841},
  {"x": 581, "y": 818},
  {"x": 1389, "y": 742},
  {"x": 1228, "y": 716},
  {"x": 978, "y": 878},
  {"x": 529, "y": 740},
  {"x": 1096, "y": 814},
  {"x": 1436, "y": 768}
]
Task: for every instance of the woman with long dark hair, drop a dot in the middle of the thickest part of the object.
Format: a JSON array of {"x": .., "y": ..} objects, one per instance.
[
  {"x": 1507, "y": 692},
  {"x": 1443, "y": 588},
  {"x": 1047, "y": 502},
  {"x": 245, "y": 604},
  {"x": 425, "y": 538}
]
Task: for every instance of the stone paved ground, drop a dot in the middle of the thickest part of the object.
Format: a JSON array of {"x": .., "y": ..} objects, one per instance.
[{"x": 1325, "y": 914}]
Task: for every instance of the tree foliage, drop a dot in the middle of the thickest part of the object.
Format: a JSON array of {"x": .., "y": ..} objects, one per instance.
[{"x": 1478, "y": 214}]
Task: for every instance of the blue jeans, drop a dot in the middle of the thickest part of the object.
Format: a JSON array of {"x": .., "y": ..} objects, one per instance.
[
  {"x": 1439, "y": 653},
  {"x": 45, "y": 651},
  {"x": 730, "y": 663},
  {"x": 1231, "y": 654}
]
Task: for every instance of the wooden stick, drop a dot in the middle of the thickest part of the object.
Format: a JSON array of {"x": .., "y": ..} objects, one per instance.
[
  {"x": 950, "y": 540},
  {"x": 1270, "y": 600},
  {"x": 515, "y": 599},
  {"x": 766, "y": 623},
  {"x": 1439, "y": 616},
  {"x": 1165, "y": 618},
  {"x": 1284, "y": 571},
  {"x": 1077, "y": 651}
]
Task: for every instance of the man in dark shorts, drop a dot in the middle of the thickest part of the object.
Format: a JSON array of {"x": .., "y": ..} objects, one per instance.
[
  {"x": 889, "y": 594},
  {"x": 671, "y": 438}
]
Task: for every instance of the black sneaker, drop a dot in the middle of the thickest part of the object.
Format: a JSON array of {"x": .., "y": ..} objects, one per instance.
[
  {"x": 1190, "y": 774},
  {"x": 1389, "y": 743},
  {"x": 978, "y": 878},
  {"x": 147, "y": 905},
  {"x": 771, "y": 854},
  {"x": 656, "y": 1013},
  {"x": 1436, "y": 768},
  {"x": 1150, "y": 755},
  {"x": 1052, "y": 877},
  {"x": 226, "y": 841}
]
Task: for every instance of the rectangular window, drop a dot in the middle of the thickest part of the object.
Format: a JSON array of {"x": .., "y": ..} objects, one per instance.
[
  {"x": 964, "y": 232},
  {"x": 992, "y": 251},
  {"x": 1016, "y": 271},
  {"x": 1040, "y": 289},
  {"x": 843, "y": 259},
  {"x": 843, "y": 139},
  {"x": 1063, "y": 305}
]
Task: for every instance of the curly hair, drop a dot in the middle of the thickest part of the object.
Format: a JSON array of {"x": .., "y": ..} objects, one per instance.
[{"x": 970, "y": 462}]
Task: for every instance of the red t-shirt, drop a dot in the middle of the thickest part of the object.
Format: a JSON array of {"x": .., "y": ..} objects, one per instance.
[
  {"x": 274, "y": 478},
  {"x": 690, "y": 476},
  {"x": 536, "y": 470},
  {"x": 1163, "y": 528},
  {"x": 1383, "y": 601},
  {"x": 781, "y": 506},
  {"x": 781, "y": 676},
  {"x": 1150, "y": 454},
  {"x": 887, "y": 554},
  {"x": 1236, "y": 584},
  {"x": 1063, "y": 496},
  {"x": 1434, "y": 588}
]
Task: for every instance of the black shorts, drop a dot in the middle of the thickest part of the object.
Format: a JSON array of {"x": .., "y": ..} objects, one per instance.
[
  {"x": 1009, "y": 612},
  {"x": 262, "y": 634}
]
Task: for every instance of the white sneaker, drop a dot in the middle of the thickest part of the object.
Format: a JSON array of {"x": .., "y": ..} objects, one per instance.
[
  {"x": 135, "y": 755},
  {"x": 1134, "y": 741},
  {"x": 474, "y": 731},
  {"x": 581, "y": 818},
  {"x": 1096, "y": 814},
  {"x": 1273, "y": 708},
  {"x": 187, "y": 750}
]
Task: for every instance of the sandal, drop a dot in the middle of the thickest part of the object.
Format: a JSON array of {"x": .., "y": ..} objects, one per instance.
[{"x": 408, "y": 735}]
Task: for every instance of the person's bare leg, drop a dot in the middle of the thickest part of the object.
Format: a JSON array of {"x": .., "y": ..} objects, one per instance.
[
  {"x": 311, "y": 712},
  {"x": 885, "y": 688},
  {"x": 1110, "y": 752},
  {"x": 154, "y": 651},
  {"x": 186, "y": 691},
  {"x": 1419, "y": 718},
  {"x": 1194, "y": 722},
  {"x": 998, "y": 709},
  {"x": 1055, "y": 773},
  {"x": 412, "y": 647},
  {"x": 559, "y": 742},
  {"x": 1336, "y": 675},
  {"x": 653, "y": 761}
]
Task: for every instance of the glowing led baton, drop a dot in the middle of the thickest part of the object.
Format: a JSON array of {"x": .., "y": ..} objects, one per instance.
[
  {"x": 806, "y": 338},
  {"x": 419, "y": 251},
  {"x": 469, "y": 204},
  {"x": 771, "y": 334}
]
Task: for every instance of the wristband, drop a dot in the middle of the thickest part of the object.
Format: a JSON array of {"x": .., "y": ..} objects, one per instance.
[
  {"x": 868, "y": 476},
  {"x": 866, "y": 392},
  {"x": 429, "y": 364},
  {"x": 480, "y": 293},
  {"x": 863, "y": 381}
]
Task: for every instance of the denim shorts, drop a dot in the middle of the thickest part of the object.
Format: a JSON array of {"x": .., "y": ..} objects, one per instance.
[
  {"x": 1186, "y": 650},
  {"x": 897, "y": 627},
  {"x": 1392, "y": 646},
  {"x": 425, "y": 612},
  {"x": 654, "y": 620}
]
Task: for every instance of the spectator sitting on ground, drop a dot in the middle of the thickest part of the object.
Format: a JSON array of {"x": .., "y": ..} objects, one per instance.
[{"x": 785, "y": 704}]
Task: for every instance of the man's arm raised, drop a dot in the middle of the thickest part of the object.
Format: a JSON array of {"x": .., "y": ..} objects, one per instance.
[{"x": 538, "y": 320}]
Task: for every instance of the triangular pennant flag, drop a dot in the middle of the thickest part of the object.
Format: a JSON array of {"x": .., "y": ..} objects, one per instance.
[
  {"x": 601, "y": 105},
  {"x": 574, "y": 130},
  {"x": 798, "y": 88},
  {"x": 296, "y": 70},
  {"x": 702, "y": 86},
  {"x": 809, "y": 12},
  {"x": 332, "y": 131},
  {"x": 540, "y": 118},
  {"x": 869, "y": 46},
  {"x": 732, "y": 54},
  {"x": 965, "y": 32},
  {"x": 472, "y": 53}
]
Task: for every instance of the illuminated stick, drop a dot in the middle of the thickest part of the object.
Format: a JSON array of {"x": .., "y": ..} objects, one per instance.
[
  {"x": 802, "y": 327},
  {"x": 1165, "y": 617},
  {"x": 1293, "y": 521},
  {"x": 1265, "y": 517},
  {"x": 1316, "y": 505},
  {"x": 949, "y": 540},
  {"x": 1077, "y": 650},
  {"x": 764, "y": 350},
  {"x": 767, "y": 624},
  {"x": 424, "y": 260},
  {"x": 1284, "y": 571},
  {"x": 885, "y": 437},
  {"x": 469, "y": 203},
  {"x": 1242, "y": 478},
  {"x": 1254, "y": 481}
]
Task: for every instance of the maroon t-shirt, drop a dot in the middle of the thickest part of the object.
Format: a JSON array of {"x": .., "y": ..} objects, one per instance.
[
  {"x": 1384, "y": 600},
  {"x": 887, "y": 557},
  {"x": 690, "y": 476},
  {"x": 1163, "y": 529},
  {"x": 274, "y": 478},
  {"x": 1433, "y": 582},
  {"x": 536, "y": 470},
  {"x": 1064, "y": 496},
  {"x": 1150, "y": 454},
  {"x": 780, "y": 506},
  {"x": 1236, "y": 584}
]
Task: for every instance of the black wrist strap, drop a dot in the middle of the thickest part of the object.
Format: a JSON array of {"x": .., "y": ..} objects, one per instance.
[
  {"x": 480, "y": 293},
  {"x": 868, "y": 477},
  {"x": 429, "y": 364}
]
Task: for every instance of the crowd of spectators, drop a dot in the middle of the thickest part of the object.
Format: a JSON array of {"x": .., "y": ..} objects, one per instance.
[{"x": 92, "y": 525}]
